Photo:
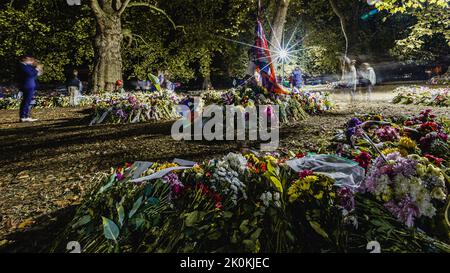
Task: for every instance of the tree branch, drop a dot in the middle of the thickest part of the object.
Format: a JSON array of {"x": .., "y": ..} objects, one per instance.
[
  {"x": 95, "y": 6},
  {"x": 342, "y": 19},
  {"x": 153, "y": 7},
  {"x": 124, "y": 6}
]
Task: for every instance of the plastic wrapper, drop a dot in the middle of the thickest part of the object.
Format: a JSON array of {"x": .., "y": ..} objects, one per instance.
[{"x": 344, "y": 171}]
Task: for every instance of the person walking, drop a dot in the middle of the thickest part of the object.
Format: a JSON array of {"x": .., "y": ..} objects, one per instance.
[
  {"x": 297, "y": 78},
  {"x": 349, "y": 77},
  {"x": 75, "y": 88},
  {"x": 368, "y": 79},
  {"x": 28, "y": 71}
]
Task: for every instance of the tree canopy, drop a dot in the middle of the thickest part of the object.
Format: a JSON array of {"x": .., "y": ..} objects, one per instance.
[{"x": 209, "y": 40}]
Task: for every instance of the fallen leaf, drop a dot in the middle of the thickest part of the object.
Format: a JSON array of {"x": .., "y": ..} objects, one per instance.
[{"x": 28, "y": 222}]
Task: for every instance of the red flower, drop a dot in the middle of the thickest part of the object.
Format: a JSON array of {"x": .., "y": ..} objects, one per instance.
[
  {"x": 435, "y": 160},
  {"x": 364, "y": 159},
  {"x": 300, "y": 155},
  {"x": 429, "y": 125},
  {"x": 263, "y": 167},
  {"x": 305, "y": 173}
]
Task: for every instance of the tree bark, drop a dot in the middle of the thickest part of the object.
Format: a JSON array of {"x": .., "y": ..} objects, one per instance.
[
  {"x": 278, "y": 22},
  {"x": 107, "y": 44},
  {"x": 108, "y": 58}
]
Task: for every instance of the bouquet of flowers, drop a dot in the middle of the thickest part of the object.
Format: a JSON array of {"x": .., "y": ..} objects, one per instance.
[
  {"x": 410, "y": 187},
  {"x": 422, "y": 95},
  {"x": 45, "y": 102},
  {"x": 134, "y": 107},
  {"x": 253, "y": 203},
  {"x": 314, "y": 102}
]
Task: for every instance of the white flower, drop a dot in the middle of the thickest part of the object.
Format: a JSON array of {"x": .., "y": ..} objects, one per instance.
[{"x": 276, "y": 196}]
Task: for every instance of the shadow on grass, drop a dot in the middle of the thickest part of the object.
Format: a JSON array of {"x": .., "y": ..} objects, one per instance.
[{"x": 39, "y": 237}]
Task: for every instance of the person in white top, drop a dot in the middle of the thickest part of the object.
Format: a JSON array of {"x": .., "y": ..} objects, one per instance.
[
  {"x": 349, "y": 76},
  {"x": 368, "y": 79}
]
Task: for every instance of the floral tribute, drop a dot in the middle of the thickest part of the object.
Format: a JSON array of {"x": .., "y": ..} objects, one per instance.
[
  {"x": 409, "y": 173},
  {"x": 255, "y": 202},
  {"x": 422, "y": 95},
  {"x": 134, "y": 107}
]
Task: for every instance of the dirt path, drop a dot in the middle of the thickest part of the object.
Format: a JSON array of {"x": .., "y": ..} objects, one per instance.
[{"x": 46, "y": 166}]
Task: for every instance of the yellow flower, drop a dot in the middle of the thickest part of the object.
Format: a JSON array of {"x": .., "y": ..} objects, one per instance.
[
  {"x": 421, "y": 169},
  {"x": 301, "y": 186},
  {"x": 390, "y": 151},
  {"x": 166, "y": 166},
  {"x": 198, "y": 169},
  {"x": 407, "y": 143},
  {"x": 319, "y": 196},
  {"x": 271, "y": 159},
  {"x": 252, "y": 158}
]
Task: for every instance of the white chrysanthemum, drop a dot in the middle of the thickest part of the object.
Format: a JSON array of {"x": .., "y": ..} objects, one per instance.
[{"x": 383, "y": 187}]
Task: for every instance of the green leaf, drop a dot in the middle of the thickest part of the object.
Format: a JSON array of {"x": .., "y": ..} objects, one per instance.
[
  {"x": 136, "y": 206},
  {"x": 154, "y": 81},
  {"x": 82, "y": 221},
  {"x": 244, "y": 227},
  {"x": 255, "y": 235},
  {"x": 109, "y": 184},
  {"x": 277, "y": 183},
  {"x": 153, "y": 201},
  {"x": 193, "y": 217},
  {"x": 110, "y": 229},
  {"x": 121, "y": 214},
  {"x": 316, "y": 226},
  {"x": 227, "y": 214}
]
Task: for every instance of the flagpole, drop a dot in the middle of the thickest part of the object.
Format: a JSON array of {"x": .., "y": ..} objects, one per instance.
[{"x": 259, "y": 10}]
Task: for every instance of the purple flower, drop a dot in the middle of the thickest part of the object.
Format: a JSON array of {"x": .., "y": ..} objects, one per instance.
[
  {"x": 405, "y": 211},
  {"x": 228, "y": 98},
  {"x": 387, "y": 133},
  {"x": 404, "y": 166},
  {"x": 352, "y": 127},
  {"x": 346, "y": 198},
  {"x": 120, "y": 113},
  {"x": 354, "y": 122},
  {"x": 175, "y": 184}
]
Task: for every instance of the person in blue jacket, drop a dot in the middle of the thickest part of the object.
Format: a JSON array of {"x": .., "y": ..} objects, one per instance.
[
  {"x": 297, "y": 78},
  {"x": 29, "y": 70}
]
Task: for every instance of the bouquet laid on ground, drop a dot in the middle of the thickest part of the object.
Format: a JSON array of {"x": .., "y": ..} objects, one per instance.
[
  {"x": 314, "y": 102},
  {"x": 440, "y": 80},
  {"x": 134, "y": 107},
  {"x": 422, "y": 95},
  {"x": 407, "y": 164},
  {"x": 243, "y": 203},
  {"x": 45, "y": 102},
  {"x": 290, "y": 110},
  {"x": 292, "y": 107}
]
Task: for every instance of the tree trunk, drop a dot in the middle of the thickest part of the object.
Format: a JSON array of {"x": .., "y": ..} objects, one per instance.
[
  {"x": 278, "y": 23},
  {"x": 206, "y": 82},
  {"x": 108, "y": 58},
  {"x": 343, "y": 23}
]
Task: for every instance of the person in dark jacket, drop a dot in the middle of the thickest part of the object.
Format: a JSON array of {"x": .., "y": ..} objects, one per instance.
[
  {"x": 74, "y": 87},
  {"x": 74, "y": 81},
  {"x": 297, "y": 78},
  {"x": 28, "y": 71}
]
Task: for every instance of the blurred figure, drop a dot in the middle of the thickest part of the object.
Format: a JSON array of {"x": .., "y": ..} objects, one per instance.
[
  {"x": 75, "y": 88},
  {"x": 297, "y": 78},
  {"x": 368, "y": 79},
  {"x": 28, "y": 71},
  {"x": 349, "y": 77}
]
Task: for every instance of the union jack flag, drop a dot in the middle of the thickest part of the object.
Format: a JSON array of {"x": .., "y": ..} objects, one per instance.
[{"x": 263, "y": 63}]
